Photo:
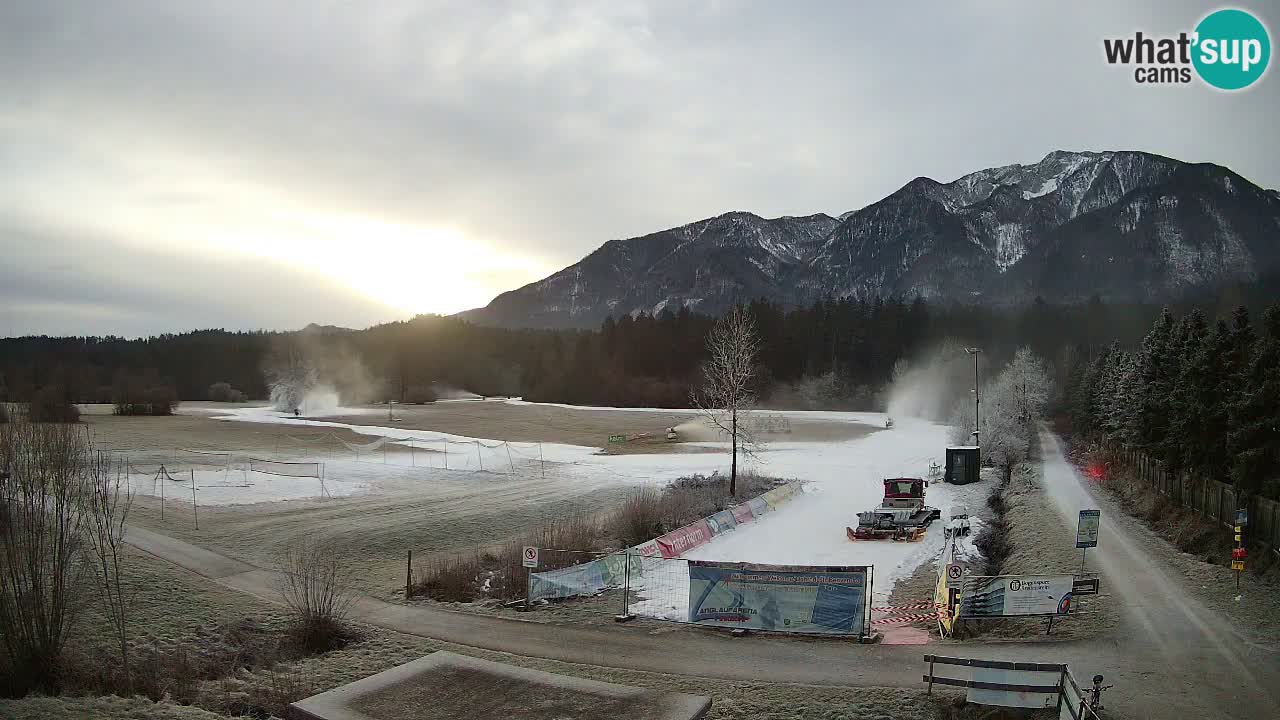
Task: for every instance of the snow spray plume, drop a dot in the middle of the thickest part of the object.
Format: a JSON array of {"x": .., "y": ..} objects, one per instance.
[
  {"x": 315, "y": 375},
  {"x": 449, "y": 392},
  {"x": 929, "y": 386}
]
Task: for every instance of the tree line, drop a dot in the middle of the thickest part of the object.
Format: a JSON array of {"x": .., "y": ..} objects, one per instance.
[
  {"x": 851, "y": 346},
  {"x": 1197, "y": 394}
]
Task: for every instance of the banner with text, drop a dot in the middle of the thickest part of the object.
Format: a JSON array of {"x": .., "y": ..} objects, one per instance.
[
  {"x": 1016, "y": 596},
  {"x": 789, "y": 598},
  {"x": 597, "y": 575}
]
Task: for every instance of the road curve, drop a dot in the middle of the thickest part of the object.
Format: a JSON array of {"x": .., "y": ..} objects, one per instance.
[{"x": 1177, "y": 660}]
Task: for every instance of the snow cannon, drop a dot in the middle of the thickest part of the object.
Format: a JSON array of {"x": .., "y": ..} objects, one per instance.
[{"x": 902, "y": 514}]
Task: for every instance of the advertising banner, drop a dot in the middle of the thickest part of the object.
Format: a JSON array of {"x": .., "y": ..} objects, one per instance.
[
  {"x": 682, "y": 540},
  {"x": 800, "y": 599},
  {"x": 585, "y": 579},
  {"x": 722, "y": 521},
  {"x": 742, "y": 513},
  {"x": 1016, "y": 596}
]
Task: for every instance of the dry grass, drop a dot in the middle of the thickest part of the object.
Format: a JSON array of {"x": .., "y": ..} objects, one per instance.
[
  {"x": 648, "y": 513},
  {"x": 100, "y": 708},
  {"x": 1034, "y": 541},
  {"x": 578, "y": 536},
  {"x": 499, "y": 573}
]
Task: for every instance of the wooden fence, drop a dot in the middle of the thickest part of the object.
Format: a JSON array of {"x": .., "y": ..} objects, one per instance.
[{"x": 1213, "y": 500}]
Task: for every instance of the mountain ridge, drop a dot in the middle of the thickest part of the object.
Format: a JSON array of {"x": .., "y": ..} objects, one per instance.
[{"x": 1070, "y": 226}]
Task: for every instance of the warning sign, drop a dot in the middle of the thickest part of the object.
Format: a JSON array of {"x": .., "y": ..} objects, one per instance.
[
  {"x": 1237, "y": 564},
  {"x": 954, "y": 573},
  {"x": 530, "y": 556}
]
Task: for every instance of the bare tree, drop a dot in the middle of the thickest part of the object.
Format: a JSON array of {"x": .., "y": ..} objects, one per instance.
[
  {"x": 108, "y": 498},
  {"x": 726, "y": 395},
  {"x": 42, "y": 521}
]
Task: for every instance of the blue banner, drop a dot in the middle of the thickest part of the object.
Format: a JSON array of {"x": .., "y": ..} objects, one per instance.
[{"x": 788, "y": 598}]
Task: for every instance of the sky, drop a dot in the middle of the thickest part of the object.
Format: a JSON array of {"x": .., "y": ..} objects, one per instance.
[{"x": 264, "y": 165}]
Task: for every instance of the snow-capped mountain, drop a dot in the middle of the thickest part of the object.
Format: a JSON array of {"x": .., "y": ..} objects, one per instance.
[{"x": 1121, "y": 225}]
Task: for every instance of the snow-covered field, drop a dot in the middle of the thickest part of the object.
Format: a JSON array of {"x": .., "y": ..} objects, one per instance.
[{"x": 841, "y": 479}]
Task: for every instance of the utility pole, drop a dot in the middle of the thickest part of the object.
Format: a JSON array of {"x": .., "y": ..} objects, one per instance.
[{"x": 974, "y": 351}]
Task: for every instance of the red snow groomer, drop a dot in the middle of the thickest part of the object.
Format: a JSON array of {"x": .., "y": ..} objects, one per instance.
[{"x": 901, "y": 516}]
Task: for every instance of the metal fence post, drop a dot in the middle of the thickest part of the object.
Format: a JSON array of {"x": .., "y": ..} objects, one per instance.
[
  {"x": 626, "y": 590},
  {"x": 408, "y": 577},
  {"x": 528, "y": 578}
]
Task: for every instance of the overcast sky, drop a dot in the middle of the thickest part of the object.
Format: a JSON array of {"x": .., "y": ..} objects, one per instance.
[{"x": 172, "y": 165}]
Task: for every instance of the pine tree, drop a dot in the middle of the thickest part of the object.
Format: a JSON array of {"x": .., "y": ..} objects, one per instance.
[
  {"x": 1254, "y": 441},
  {"x": 1193, "y": 394},
  {"x": 1156, "y": 366}
]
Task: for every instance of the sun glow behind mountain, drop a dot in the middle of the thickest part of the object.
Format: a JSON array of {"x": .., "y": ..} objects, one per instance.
[{"x": 413, "y": 269}]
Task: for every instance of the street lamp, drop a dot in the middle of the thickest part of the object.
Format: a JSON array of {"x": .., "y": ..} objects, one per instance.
[{"x": 974, "y": 352}]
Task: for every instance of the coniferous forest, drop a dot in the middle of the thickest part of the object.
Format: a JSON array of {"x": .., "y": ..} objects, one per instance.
[{"x": 1196, "y": 385}]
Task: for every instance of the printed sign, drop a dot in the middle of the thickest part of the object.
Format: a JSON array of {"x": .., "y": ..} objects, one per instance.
[
  {"x": 1242, "y": 517},
  {"x": 1237, "y": 564},
  {"x": 617, "y": 438},
  {"x": 1016, "y": 596},
  {"x": 801, "y": 599},
  {"x": 1084, "y": 586},
  {"x": 530, "y": 556},
  {"x": 954, "y": 573},
  {"x": 1087, "y": 530}
]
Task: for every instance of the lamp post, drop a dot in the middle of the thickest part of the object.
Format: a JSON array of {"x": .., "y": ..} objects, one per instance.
[{"x": 974, "y": 351}]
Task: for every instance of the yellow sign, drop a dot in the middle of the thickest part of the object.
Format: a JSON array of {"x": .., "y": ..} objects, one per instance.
[
  {"x": 1237, "y": 537},
  {"x": 1238, "y": 530},
  {"x": 1237, "y": 564}
]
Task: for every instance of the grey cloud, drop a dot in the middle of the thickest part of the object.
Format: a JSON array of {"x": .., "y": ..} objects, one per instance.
[{"x": 549, "y": 127}]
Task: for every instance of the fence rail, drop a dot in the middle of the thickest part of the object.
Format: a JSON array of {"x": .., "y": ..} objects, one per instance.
[
  {"x": 1015, "y": 684},
  {"x": 1212, "y": 499}
]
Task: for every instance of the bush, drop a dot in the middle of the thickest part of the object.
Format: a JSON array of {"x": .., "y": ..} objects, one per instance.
[
  {"x": 42, "y": 512},
  {"x": 317, "y": 590},
  {"x": 640, "y": 517},
  {"x": 419, "y": 394},
  {"x": 223, "y": 392},
  {"x": 50, "y": 405},
  {"x": 131, "y": 397},
  {"x": 500, "y": 573}
]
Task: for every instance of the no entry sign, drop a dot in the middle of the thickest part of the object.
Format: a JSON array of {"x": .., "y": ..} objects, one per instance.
[{"x": 530, "y": 556}]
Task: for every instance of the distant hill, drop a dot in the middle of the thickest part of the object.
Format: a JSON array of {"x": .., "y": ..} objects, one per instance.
[{"x": 1125, "y": 226}]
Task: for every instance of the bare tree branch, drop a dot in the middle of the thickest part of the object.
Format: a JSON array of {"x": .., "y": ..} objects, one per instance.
[{"x": 726, "y": 396}]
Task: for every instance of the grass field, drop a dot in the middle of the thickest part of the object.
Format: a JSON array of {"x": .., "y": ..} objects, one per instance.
[{"x": 174, "y": 606}]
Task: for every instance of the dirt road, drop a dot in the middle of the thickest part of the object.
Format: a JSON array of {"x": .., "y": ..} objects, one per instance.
[
  {"x": 1187, "y": 654},
  {"x": 1173, "y": 659}
]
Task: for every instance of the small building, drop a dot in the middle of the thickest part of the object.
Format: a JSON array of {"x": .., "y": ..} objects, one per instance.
[{"x": 963, "y": 463}]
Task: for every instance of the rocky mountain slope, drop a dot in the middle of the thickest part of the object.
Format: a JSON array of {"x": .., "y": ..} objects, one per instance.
[{"x": 1121, "y": 225}]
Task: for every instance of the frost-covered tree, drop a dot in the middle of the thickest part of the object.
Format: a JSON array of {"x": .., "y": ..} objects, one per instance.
[
  {"x": 1254, "y": 442},
  {"x": 1157, "y": 366},
  {"x": 1192, "y": 394},
  {"x": 1012, "y": 405},
  {"x": 1031, "y": 385}
]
